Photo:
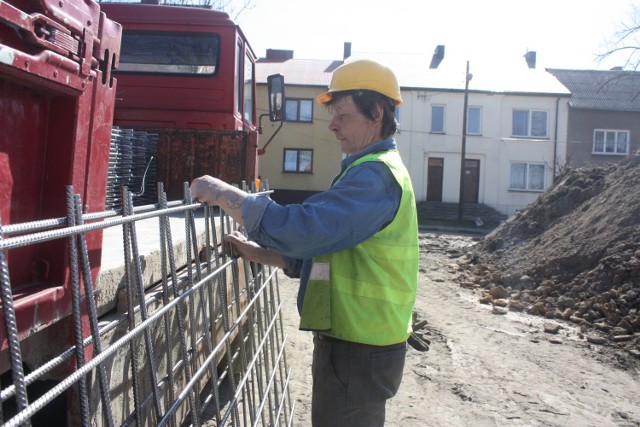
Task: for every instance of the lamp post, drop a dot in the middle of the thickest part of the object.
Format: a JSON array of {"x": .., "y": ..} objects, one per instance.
[{"x": 468, "y": 77}]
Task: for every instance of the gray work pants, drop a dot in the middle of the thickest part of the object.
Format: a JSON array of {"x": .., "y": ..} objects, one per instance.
[{"x": 352, "y": 382}]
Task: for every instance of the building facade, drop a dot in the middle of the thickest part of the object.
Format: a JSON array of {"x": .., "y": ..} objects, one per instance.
[
  {"x": 604, "y": 115},
  {"x": 515, "y": 141},
  {"x": 303, "y": 156},
  {"x": 515, "y": 138}
]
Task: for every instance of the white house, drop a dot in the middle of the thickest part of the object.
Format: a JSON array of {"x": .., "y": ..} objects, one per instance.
[{"x": 516, "y": 131}]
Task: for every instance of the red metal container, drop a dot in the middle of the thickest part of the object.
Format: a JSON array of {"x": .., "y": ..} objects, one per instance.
[{"x": 56, "y": 112}]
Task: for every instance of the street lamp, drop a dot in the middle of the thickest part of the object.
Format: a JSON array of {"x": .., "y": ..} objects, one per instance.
[{"x": 468, "y": 77}]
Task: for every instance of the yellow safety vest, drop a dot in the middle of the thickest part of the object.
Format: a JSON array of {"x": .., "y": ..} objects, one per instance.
[{"x": 366, "y": 293}]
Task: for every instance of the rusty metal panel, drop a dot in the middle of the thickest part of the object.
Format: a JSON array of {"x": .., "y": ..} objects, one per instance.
[{"x": 184, "y": 154}]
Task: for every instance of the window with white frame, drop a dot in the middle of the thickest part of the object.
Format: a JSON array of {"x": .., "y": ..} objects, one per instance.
[
  {"x": 299, "y": 110},
  {"x": 530, "y": 123},
  {"x": 608, "y": 141},
  {"x": 437, "y": 118},
  {"x": 297, "y": 161},
  {"x": 527, "y": 176},
  {"x": 474, "y": 121}
]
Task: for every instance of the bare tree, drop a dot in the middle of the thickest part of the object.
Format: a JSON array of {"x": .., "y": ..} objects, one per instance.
[
  {"x": 560, "y": 168},
  {"x": 233, "y": 7},
  {"x": 626, "y": 41}
]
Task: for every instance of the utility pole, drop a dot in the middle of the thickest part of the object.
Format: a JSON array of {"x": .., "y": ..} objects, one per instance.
[{"x": 468, "y": 77}]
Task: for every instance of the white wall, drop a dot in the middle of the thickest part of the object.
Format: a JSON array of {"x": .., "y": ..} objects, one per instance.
[{"x": 495, "y": 148}]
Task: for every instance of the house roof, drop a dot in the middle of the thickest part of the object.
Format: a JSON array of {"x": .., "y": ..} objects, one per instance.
[
  {"x": 413, "y": 73},
  {"x": 615, "y": 90},
  {"x": 499, "y": 79},
  {"x": 505, "y": 77},
  {"x": 298, "y": 72}
]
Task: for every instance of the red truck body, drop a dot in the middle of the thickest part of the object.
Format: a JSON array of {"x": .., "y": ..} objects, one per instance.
[
  {"x": 188, "y": 75},
  {"x": 56, "y": 110}
]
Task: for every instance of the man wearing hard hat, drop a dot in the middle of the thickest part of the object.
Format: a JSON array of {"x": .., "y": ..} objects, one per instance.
[{"x": 354, "y": 247}]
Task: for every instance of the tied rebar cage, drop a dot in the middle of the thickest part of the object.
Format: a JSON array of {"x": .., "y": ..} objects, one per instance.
[
  {"x": 194, "y": 339},
  {"x": 131, "y": 164}
]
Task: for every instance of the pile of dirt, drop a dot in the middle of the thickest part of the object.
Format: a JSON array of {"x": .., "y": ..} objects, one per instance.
[{"x": 574, "y": 254}]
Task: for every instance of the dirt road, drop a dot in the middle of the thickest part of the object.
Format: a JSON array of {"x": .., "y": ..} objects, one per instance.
[{"x": 485, "y": 369}]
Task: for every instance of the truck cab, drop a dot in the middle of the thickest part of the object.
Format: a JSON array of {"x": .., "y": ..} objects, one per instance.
[{"x": 187, "y": 75}]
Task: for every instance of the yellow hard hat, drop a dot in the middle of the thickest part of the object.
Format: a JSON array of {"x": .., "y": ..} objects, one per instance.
[{"x": 363, "y": 74}]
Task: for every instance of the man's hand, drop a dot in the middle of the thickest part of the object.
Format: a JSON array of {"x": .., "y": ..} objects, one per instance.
[
  {"x": 237, "y": 244},
  {"x": 251, "y": 251},
  {"x": 208, "y": 189},
  {"x": 215, "y": 192}
]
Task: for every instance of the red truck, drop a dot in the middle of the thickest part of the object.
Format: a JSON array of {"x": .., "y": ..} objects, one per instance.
[
  {"x": 187, "y": 74},
  {"x": 70, "y": 71}
]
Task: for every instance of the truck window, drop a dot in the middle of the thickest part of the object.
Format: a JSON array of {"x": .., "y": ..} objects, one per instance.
[
  {"x": 169, "y": 53},
  {"x": 248, "y": 89}
]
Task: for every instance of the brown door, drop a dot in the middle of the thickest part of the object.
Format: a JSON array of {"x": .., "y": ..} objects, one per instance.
[
  {"x": 471, "y": 180},
  {"x": 434, "y": 179}
]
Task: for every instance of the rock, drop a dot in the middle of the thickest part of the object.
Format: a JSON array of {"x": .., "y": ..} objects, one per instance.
[
  {"x": 498, "y": 292},
  {"x": 622, "y": 338},
  {"x": 525, "y": 297},
  {"x": 501, "y": 302},
  {"x": 602, "y": 327},
  {"x": 619, "y": 331},
  {"x": 624, "y": 324},
  {"x": 551, "y": 328},
  {"x": 636, "y": 324},
  {"x": 596, "y": 340},
  {"x": 538, "y": 308},
  {"x": 499, "y": 310},
  {"x": 566, "y": 302},
  {"x": 516, "y": 306},
  {"x": 582, "y": 322},
  {"x": 525, "y": 282},
  {"x": 555, "y": 340},
  {"x": 485, "y": 299},
  {"x": 553, "y": 313}
]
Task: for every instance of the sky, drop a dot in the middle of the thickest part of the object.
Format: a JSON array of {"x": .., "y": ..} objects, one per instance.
[{"x": 564, "y": 33}]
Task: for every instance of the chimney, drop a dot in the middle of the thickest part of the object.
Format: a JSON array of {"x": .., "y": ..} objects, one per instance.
[
  {"x": 438, "y": 56},
  {"x": 347, "y": 50},
  {"x": 530, "y": 57},
  {"x": 278, "y": 55}
]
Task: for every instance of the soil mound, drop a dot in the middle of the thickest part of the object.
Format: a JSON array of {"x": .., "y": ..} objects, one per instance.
[{"x": 574, "y": 254}]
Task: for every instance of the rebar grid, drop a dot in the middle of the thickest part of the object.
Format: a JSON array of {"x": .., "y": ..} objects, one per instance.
[{"x": 204, "y": 346}]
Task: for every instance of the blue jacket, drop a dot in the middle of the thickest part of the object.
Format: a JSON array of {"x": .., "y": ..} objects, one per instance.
[{"x": 360, "y": 205}]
